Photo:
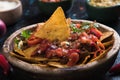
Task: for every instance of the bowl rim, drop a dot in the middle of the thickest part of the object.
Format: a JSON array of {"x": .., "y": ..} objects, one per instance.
[
  {"x": 18, "y": 4},
  {"x": 35, "y": 69},
  {"x": 102, "y": 7},
  {"x": 54, "y": 2}
]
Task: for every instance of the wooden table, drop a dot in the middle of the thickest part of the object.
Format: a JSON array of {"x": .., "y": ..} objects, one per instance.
[{"x": 32, "y": 14}]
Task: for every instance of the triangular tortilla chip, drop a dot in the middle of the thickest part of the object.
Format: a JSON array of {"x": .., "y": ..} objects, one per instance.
[
  {"x": 29, "y": 51},
  {"x": 55, "y": 28},
  {"x": 106, "y": 35},
  {"x": 18, "y": 50}
]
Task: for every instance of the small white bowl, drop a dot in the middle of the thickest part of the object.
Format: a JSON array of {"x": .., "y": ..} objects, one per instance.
[{"x": 12, "y": 15}]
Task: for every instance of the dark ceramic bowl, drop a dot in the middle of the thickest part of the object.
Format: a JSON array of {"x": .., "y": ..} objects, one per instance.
[
  {"x": 102, "y": 14},
  {"x": 47, "y": 8},
  {"x": 89, "y": 71}
]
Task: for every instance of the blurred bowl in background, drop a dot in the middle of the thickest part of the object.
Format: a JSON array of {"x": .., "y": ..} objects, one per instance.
[
  {"x": 48, "y": 8},
  {"x": 102, "y": 13},
  {"x": 10, "y": 11}
]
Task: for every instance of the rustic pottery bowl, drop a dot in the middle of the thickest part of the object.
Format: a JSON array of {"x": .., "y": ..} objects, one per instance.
[
  {"x": 47, "y": 8},
  {"x": 82, "y": 72},
  {"x": 12, "y": 15},
  {"x": 102, "y": 14}
]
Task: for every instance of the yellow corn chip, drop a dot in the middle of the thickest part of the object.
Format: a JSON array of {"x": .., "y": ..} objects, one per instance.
[
  {"x": 106, "y": 35},
  {"x": 85, "y": 60},
  {"x": 29, "y": 51},
  {"x": 55, "y": 28},
  {"x": 30, "y": 59},
  {"x": 101, "y": 55},
  {"x": 19, "y": 51}
]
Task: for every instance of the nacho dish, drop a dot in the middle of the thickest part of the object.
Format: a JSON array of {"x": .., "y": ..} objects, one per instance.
[{"x": 60, "y": 42}]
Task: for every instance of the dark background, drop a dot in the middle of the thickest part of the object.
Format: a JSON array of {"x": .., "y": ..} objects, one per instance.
[{"x": 32, "y": 15}]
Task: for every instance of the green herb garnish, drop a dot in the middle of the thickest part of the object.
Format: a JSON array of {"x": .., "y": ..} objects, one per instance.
[
  {"x": 74, "y": 29},
  {"x": 16, "y": 40},
  {"x": 26, "y": 34},
  {"x": 85, "y": 26}
]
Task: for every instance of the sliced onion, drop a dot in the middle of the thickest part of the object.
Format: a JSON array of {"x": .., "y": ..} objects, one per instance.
[{"x": 2, "y": 28}]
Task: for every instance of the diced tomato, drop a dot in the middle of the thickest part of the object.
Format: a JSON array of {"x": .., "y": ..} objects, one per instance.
[
  {"x": 44, "y": 45},
  {"x": 72, "y": 51},
  {"x": 50, "y": 53},
  {"x": 84, "y": 40},
  {"x": 96, "y": 32},
  {"x": 59, "y": 52},
  {"x": 78, "y": 25},
  {"x": 33, "y": 40},
  {"x": 97, "y": 41},
  {"x": 73, "y": 36},
  {"x": 93, "y": 38},
  {"x": 84, "y": 34},
  {"x": 73, "y": 59}
]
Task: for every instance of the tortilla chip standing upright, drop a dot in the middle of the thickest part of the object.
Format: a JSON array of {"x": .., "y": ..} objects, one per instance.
[{"x": 55, "y": 28}]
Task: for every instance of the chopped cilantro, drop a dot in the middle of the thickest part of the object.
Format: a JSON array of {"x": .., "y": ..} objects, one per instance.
[
  {"x": 16, "y": 40},
  {"x": 26, "y": 34},
  {"x": 75, "y": 29},
  {"x": 84, "y": 26}
]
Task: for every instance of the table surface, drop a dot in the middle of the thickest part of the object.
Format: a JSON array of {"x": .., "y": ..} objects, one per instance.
[{"x": 32, "y": 15}]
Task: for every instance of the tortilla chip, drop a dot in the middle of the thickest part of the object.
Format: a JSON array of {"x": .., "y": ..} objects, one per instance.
[
  {"x": 31, "y": 59},
  {"x": 56, "y": 64},
  {"x": 27, "y": 52},
  {"x": 85, "y": 60},
  {"x": 55, "y": 28},
  {"x": 106, "y": 35},
  {"x": 18, "y": 50},
  {"x": 30, "y": 51},
  {"x": 40, "y": 65},
  {"x": 101, "y": 55},
  {"x": 108, "y": 44}
]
